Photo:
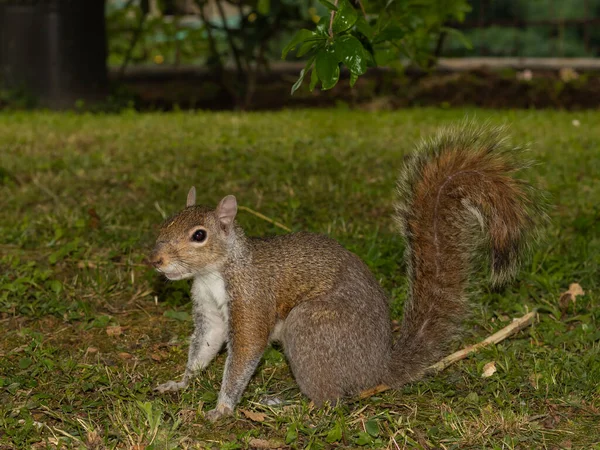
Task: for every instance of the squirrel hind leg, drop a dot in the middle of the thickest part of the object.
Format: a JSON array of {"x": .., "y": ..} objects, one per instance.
[{"x": 331, "y": 351}]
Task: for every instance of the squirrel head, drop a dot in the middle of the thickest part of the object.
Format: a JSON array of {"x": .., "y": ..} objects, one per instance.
[{"x": 196, "y": 240}]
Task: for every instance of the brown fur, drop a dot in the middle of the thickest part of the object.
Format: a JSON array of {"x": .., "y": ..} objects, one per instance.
[{"x": 334, "y": 315}]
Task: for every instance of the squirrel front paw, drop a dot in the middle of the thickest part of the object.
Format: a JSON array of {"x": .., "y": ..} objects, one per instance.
[
  {"x": 220, "y": 411},
  {"x": 171, "y": 386}
]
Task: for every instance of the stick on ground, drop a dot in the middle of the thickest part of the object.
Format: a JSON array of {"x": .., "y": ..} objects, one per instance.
[{"x": 516, "y": 326}]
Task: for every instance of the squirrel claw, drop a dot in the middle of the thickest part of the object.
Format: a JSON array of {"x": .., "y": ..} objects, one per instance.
[
  {"x": 170, "y": 386},
  {"x": 220, "y": 411}
]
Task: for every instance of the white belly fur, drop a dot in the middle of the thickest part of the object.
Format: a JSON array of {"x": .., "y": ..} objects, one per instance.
[
  {"x": 276, "y": 334},
  {"x": 208, "y": 292}
]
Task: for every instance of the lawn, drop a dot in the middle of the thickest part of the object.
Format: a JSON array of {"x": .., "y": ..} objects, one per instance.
[{"x": 88, "y": 329}]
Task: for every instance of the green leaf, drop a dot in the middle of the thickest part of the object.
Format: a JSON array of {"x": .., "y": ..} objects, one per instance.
[
  {"x": 353, "y": 78},
  {"x": 350, "y": 51},
  {"x": 322, "y": 28},
  {"x": 458, "y": 35},
  {"x": 64, "y": 251},
  {"x": 345, "y": 17},
  {"x": 292, "y": 434},
  {"x": 363, "y": 27},
  {"x": 24, "y": 363},
  {"x": 389, "y": 33},
  {"x": 363, "y": 439},
  {"x": 335, "y": 434},
  {"x": 385, "y": 56},
  {"x": 372, "y": 427},
  {"x": 327, "y": 67},
  {"x": 100, "y": 321},
  {"x": 300, "y": 37},
  {"x": 55, "y": 286},
  {"x": 303, "y": 72},
  {"x": 330, "y": 6},
  {"x": 314, "y": 79},
  {"x": 298, "y": 82},
  {"x": 472, "y": 397},
  {"x": 263, "y": 7},
  {"x": 177, "y": 315},
  {"x": 48, "y": 363},
  {"x": 460, "y": 9},
  {"x": 309, "y": 45},
  {"x": 53, "y": 258}
]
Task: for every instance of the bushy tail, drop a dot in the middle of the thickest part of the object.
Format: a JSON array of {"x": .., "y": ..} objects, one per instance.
[{"x": 458, "y": 199}]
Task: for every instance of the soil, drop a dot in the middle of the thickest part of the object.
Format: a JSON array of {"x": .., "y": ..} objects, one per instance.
[{"x": 378, "y": 89}]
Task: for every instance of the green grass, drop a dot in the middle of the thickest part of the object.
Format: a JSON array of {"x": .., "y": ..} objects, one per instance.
[{"x": 80, "y": 200}]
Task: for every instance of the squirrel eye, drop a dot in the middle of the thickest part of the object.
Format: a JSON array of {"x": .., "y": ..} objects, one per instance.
[{"x": 199, "y": 236}]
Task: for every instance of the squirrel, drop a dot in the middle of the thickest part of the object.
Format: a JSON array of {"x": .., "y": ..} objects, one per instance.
[{"x": 458, "y": 199}]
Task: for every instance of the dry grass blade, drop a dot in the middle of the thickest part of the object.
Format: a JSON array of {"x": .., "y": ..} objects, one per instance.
[{"x": 263, "y": 217}]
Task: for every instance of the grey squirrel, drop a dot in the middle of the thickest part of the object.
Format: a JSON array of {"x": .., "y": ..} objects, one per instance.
[{"x": 457, "y": 196}]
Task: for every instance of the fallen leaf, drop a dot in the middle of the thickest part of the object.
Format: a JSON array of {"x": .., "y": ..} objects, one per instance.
[
  {"x": 114, "y": 330},
  {"x": 86, "y": 265},
  {"x": 158, "y": 356},
  {"x": 575, "y": 290},
  {"x": 94, "y": 218},
  {"x": 93, "y": 439},
  {"x": 567, "y": 74},
  {"x": 91, "y": 350},
  {"x": 125, "y": 355},
  {"x": 489, "y": 369},
  {"x": 264, "y": 443},
  {"x": 254, "y": 416},
  {"x": 534, "y": 379},
  {"x": 270, "y": 400},
  {"x": 551, "y": 421},
  {"x": 187, "y": 416}
]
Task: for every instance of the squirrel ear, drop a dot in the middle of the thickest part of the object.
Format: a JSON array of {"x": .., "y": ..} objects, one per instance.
[
  {"x": 191, "y": 198},
  {"x": 226, "y": 211}
]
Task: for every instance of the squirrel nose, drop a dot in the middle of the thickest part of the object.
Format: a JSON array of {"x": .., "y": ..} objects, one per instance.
[
  {"x": 157, "y": 256},
  {"x": 157, "y": 262},
  {"x": 156, "y": 259}
]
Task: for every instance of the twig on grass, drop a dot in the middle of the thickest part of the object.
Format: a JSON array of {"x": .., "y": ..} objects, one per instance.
[
  {"x": 374, "y": 391},
  {"x": 263, "y": 217},
  {"x": 516, "y": 326}
]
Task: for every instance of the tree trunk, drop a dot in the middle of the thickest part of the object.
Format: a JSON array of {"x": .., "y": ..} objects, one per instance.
[{"x": 54, "y": 50}]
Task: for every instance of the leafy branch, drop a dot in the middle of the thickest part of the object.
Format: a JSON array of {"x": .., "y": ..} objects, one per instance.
[{"x": 382, "y": 34}]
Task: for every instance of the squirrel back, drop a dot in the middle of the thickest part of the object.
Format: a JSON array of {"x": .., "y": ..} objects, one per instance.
[{"x": 459, "y": 206}]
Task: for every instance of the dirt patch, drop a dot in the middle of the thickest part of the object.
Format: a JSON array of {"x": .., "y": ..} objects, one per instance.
[{"x": 379, "y": 89}]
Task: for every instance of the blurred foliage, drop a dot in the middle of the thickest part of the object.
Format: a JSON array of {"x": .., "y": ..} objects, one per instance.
[
  {"x": 244, "y": 34},
  {"x": 371, "y": 33},
  {"x": 547, "y": 40},
  {"x": 248, "y": 35},
  {"x": 161, "y": 39}
]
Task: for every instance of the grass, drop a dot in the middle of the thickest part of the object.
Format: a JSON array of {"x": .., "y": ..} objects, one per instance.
[{"x": 88, "y": 330}]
